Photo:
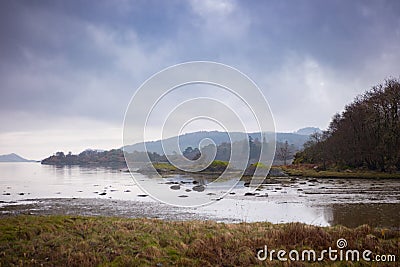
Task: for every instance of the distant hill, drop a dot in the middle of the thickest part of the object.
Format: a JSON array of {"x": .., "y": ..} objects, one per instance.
[
  {"x": 94, "y": 150},
  {"x": 138, "y": 153},
  {"x": 13, "y": 158},
  {"x": 193, "y": 139},
  {"x": 308, "y": 131}
]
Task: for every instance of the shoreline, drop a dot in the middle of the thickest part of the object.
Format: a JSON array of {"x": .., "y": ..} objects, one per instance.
[
  {"x": 277, "y": 171},
  {"x": 300, "y": 171},
  {"x": 290, "y": 171}
]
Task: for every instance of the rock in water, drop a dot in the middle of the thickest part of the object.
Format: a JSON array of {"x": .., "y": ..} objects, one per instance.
[
  {"x": 175, "y": 187},
  {"x": 199, "y": 188},
  {"x": 247, "y": 194}
]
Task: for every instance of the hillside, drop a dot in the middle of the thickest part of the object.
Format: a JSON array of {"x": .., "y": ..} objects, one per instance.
[
  {"x": 13, "y": 158},
  {"x": 365, "y": 135},
  {"x": 193, "y": 139}
]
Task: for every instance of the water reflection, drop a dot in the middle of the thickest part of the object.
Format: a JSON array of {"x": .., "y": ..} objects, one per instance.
[
  {"x": 356, "y": 214},
  {"x": 256, "y": 211}
]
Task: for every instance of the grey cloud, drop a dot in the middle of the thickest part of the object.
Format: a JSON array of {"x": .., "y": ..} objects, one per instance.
[
  {"x": 86, "y": 58},
  {"x": 66, "y": 65}
]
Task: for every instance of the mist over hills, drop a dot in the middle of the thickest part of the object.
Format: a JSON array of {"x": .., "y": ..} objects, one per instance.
[
  {"x": 308, "y": 131},
  {"x": 297, "y": 139},
  {"x": 157, "y": 149}
]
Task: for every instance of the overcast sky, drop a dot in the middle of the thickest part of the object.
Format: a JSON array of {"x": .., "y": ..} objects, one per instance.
[{"x": 69, "y": 68}]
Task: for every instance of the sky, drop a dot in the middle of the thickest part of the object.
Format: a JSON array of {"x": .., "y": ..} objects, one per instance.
[{"x": 68, "y": 69}]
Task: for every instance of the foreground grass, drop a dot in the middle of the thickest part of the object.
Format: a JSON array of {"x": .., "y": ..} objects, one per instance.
[
  {"x": 306, "y": 171},
  {"x": 107, "y": 241}
]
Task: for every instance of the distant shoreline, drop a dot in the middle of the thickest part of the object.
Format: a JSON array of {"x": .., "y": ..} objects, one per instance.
[
  {"x": 300, "y": 170},
  {"x": 15, "y": 158}
]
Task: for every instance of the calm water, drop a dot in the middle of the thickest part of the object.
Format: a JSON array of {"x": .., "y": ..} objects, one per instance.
[{"x": 318, "y": 202}]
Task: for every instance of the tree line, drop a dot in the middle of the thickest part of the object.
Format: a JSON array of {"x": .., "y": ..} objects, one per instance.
[
  {"x": 284, "y": 151},
  {"x": 111, "y": 158},
  {"x": 115, "y": 157},
  {"x": 365, "y": 135}
]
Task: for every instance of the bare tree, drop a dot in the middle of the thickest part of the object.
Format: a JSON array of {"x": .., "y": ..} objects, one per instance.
[{"x": 285, "y": 152}]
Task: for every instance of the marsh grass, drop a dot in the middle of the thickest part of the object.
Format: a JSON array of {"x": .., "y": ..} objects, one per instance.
[
  {"x": 216, "y": 167},
  {"x": 108, "y": 241}
]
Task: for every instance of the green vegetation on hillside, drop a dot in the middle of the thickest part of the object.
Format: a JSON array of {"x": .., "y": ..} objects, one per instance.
[
  {"x": 107, "y": 241},
  {"x": 216, "y": 167}
]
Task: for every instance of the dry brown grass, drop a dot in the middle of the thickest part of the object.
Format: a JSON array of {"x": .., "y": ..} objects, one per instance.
[{"x": 106, "y": 241}]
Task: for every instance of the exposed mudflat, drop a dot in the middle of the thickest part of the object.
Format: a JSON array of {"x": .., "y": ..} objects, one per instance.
[{"x": 103, "y": 207}]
